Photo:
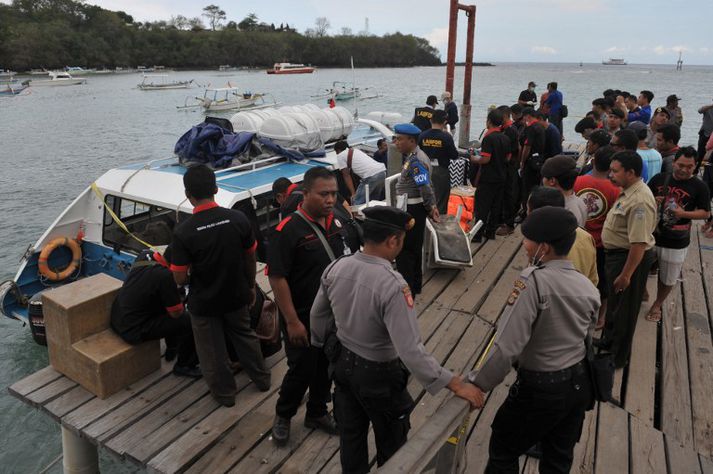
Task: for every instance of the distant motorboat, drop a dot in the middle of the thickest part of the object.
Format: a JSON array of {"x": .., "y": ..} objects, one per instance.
[
  {"x": 58, "y": 79},
  {"x": 290, "y": 68},
  {"x": 615, "y": 62},
  {"x": 160, "y": 82},
  {"x": 6, "y": 74},
  {"x": 11, "y": 90},
  {"x": 228, "y": 98},
  {"x": 227, "y": 68},
  {"x": 39, "y": 72}
]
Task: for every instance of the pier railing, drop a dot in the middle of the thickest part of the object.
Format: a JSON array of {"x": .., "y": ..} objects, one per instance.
[{"x": 438, "y": 446}]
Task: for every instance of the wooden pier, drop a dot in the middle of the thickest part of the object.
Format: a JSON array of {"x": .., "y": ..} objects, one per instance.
[{"x": 663, "y": 424}]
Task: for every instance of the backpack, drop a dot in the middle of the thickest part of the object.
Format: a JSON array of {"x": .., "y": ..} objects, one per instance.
[{"x": 564, "y": 111}]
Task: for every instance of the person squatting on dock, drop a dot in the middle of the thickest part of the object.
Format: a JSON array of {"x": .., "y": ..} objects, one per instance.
[
  {"x": 218, "y": 247},
  {"x": 550, "y": 314},
  {"x": 364, "y": 318}
]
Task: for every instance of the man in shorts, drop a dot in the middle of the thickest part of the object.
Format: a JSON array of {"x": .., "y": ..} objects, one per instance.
[{"x": 681, "y": 197}]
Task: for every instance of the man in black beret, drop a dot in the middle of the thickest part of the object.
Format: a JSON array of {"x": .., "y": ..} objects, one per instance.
[
  {"x": 543, "y": 339},
  {"x": 373, "y": 307}
]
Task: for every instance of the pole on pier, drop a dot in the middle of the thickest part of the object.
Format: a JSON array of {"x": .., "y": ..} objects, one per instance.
[{"x": 79, "y": 455}]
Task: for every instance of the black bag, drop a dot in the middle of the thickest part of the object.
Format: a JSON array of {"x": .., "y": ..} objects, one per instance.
[
  {"x": 535, "y": 162},
  {"x": 601, "y": 371},
  {"x": 564, "y": 111}
]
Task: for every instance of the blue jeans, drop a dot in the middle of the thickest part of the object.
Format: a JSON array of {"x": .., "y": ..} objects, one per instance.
[{"x": 376, "y": 188}]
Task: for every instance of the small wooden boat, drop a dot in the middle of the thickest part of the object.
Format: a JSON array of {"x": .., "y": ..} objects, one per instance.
[
  {"x": 160, "y": 82},
  {"x": 228, "y": 98}
]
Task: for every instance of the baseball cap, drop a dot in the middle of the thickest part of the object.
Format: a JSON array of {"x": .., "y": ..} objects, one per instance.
[{"x": 431, "y": 100}]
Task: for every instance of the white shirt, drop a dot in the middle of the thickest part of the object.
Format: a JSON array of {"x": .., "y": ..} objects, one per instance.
[{"x": 362, "y": 164}]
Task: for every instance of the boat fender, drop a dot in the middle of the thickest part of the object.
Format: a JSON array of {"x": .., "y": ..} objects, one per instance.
[{"x": 47, "y": 250}]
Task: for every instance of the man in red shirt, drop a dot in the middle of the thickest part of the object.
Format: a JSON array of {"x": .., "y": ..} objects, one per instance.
[{"x": 599, "y": 195}]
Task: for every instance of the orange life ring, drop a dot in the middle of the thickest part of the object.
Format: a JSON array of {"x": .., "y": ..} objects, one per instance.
[{"x": 53, "y": 275}]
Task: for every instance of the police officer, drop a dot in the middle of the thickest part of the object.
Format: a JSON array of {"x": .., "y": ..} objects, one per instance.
[
  {"x": 415, "y": 183},
  {"x": 550, "y": 314},
  {"x": 422, "y": 115},
  {"x": 363, "y": 315},
  {"x": 149, "y": 307}
]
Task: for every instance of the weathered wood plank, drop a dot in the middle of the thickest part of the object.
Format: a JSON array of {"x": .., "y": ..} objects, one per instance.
[
  {"x": 471, "y": 300},
  {"x": 618, "y": 384},
  {"x": 612, "y": 440},
  {"x": 676, "y": 419},
  {"x": 67, "y": 402},
  {"x": 477, "y": 447},
  {"x": 647, "y": 449},
  {"x": 641, "y": 380},
  {"x": 706, "y": 464},
  {"x": 51, "y": 391},
  {"x": 199, "y": 439},
  {"x": 495, "y": 302},
  {"x": 96, "y": 407},
  {"x": 700, "y": 350},
  {"x": 33, "y": 382},
  {"x": 681, "y": 459},
  {"x": 584, "y": 450}
]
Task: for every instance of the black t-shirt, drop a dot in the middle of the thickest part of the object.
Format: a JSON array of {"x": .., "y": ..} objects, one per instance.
[
  {"x": 294, "y": 198},
  {"x": 213, "y": 243},
  {"x": 553, "y": 141},
  {"x": 148, "y": 292},
  {"x": 535, "y": 138},
  {"x": 497, "y": 146},
  {"x": 438, "y": 145},
  {"x": 452, "y": 110},
  {"x": 511, "y": 132},
  {"x": 422, "y": 117},
  {"x": 298, "y": 255},
  {"x": 691, "y": 194},
  {"x": 527, "y": 96}
]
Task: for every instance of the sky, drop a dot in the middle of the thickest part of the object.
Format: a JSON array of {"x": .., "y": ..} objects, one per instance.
[{"x": 640, "y": 31}]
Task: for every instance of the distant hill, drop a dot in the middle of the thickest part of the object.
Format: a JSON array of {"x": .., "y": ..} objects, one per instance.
[{"x": 57, "y": 33}]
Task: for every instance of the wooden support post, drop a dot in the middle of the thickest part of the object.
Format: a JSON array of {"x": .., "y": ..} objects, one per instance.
[{"x": 79, "y": 455}]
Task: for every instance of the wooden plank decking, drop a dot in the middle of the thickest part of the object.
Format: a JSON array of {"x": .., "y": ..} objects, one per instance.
[{"x": 665, "y": 423}]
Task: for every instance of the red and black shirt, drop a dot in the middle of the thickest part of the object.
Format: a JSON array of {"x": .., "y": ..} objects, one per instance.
[
  {"x": 297, "y": 254},
  {"x": 495, "y": 146},
  {"x": 149, "y": 292},
  {"x": 212, "y": 243}
]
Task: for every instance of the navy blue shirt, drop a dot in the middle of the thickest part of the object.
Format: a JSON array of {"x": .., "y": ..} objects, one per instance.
[
  {"x": 554, "y": 100},
  {"x": 553, "y": 141}
]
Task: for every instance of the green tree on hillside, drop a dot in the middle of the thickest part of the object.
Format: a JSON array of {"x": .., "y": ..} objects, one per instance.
[{"x": 215, "y": 15}]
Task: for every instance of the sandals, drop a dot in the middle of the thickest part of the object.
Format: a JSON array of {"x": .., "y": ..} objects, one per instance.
[{"x": 654, "y": 315}]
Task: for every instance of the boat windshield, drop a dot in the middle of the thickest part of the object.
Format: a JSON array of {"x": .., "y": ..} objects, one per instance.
[{"x": 152, "y": 224}]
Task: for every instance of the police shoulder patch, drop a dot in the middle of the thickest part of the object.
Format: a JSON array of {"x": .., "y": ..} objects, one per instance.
[
  {"x": 407, "y": 296},
  {"x": 514, "y": 295}
]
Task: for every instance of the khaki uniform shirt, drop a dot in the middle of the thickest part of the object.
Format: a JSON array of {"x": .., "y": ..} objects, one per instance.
[
  {"x": 415, "y": 179},
  {"x": 372, "y": 307},
  {"x": 632, "y": 219},
  {"x": 544, "y": 326},
  {"x": 583, "y": 255}
]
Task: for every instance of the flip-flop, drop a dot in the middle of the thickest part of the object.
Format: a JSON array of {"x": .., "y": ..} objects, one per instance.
[{"x": 654, "y": 315}]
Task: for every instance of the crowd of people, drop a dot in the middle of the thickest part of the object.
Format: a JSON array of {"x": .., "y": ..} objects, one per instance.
[{"x": 594, "y": 225}]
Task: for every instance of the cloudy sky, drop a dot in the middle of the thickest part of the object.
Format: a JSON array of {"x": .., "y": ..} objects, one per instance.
[{"x": 641, "y": 31}]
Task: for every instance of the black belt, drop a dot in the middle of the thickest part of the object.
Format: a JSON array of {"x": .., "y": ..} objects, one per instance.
[
  {"x": 535, "y": 377},
  {"x": 358, "y": 361}
]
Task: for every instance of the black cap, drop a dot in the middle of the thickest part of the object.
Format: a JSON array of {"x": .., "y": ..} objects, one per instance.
[
  {"x": 618, "y": 112},
  {"x": 557, "y": 166},
  {"x": 531, "y": 84},
  {"x": 432, "y": 100},
  {"x": 388, "y": 216},
  {"x": 585, "y": 123},
  {"x": 672, "y": 98},
  {"x": 549, "y": 224}
]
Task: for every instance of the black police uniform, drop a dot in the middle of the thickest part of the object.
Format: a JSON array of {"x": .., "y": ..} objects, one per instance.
[
  {"x": 441, "y": 149},
  {"x": 140, "y": 311},
  {"x": 298, "y": 255},
  {"x": 213, "y": 243},
  {"x": 422, "y": 117},
  {"x": 534, "y": 137},
  {"x": 511, "y": 196},
  {"x": 490, "y": 181}
]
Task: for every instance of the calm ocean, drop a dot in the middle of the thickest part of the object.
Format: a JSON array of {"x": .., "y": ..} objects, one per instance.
[{"x": 55, "y": 141}]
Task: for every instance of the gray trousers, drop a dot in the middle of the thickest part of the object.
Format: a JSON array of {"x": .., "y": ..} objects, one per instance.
[
  {"x": 210, "y": 333},
  {"x": 441, "y": 179}
]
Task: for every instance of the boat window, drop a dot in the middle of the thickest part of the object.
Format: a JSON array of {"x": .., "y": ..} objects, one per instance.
[{"x": 152, "y": 224}]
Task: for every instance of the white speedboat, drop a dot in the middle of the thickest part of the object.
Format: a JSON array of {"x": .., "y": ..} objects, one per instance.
[
  {"x": 614, "y": 62},
  {"x": 228, "y": 98},
  {"x": 130, "y": 208},
  {"x": 159, "y": 82},
  {"x": 57, "y": 78}
]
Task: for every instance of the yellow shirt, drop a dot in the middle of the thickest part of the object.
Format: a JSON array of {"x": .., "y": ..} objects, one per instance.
[
  {"x": 632, "y": 219},
  {"x": 583, "y": 255}
]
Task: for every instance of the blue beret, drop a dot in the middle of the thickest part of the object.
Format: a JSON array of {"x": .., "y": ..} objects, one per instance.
[{"x": 407, "y": 129}]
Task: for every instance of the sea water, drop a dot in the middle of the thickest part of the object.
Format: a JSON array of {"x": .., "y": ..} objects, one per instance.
[{"x": 56, "y": 140}]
